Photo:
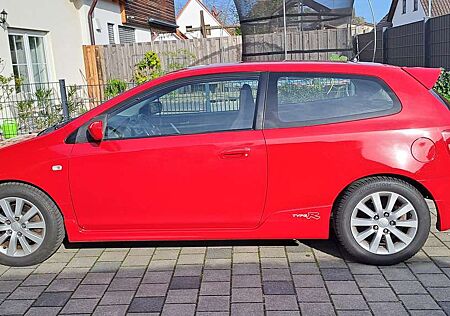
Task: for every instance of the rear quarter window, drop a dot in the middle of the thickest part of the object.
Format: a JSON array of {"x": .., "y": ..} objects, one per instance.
[{"x": 305, "y": 100}]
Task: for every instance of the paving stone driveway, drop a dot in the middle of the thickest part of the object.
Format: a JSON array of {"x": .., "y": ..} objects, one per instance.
[{"x": 266, "y": 278}]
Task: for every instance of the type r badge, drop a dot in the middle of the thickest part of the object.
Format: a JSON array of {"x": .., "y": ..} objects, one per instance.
[{"x": 309, "y": 215}]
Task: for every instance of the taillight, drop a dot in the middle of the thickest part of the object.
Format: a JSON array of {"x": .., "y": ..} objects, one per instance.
[{"x": 446, "y": 135}]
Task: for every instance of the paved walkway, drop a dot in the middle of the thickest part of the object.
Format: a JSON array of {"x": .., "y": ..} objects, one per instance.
[{"x": 265, "y": 278}]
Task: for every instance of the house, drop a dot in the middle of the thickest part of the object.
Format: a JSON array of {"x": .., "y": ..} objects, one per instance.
[
  {"x": 42, "y": 41},
  {"x": 408, "y": 11},
  {"x": 195, "y": 18}
]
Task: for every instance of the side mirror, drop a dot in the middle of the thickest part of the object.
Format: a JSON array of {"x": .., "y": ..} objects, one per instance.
[{"x": 95, "y": 129}]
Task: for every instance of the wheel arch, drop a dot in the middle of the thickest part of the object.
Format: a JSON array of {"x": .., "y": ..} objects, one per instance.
[{"x": 419, "y": 186}]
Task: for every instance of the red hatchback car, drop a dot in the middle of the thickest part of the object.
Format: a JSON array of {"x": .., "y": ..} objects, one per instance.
[{"x": 244, "y": 151}]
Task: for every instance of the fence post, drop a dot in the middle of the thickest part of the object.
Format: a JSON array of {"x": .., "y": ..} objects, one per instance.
[
  {"x": 385, "y": 45},
  {"x": 426, "y": 43},
  {"x": 63, "y": 92}
]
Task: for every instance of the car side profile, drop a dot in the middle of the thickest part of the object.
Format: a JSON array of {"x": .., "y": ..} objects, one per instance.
[{"x": 241, "y": 151}]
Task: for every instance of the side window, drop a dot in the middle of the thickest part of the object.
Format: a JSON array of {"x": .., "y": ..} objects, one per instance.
[
  {"x": 191, "y": 108},
  {"x": 297, "y": 100}
]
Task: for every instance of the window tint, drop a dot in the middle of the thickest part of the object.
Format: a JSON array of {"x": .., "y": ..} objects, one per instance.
[
  {"x": 202, "y": 107},
  {"x": 320, "y": 99}
]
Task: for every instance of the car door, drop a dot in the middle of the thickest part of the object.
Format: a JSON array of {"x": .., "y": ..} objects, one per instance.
[{"x": 185, "y": 156}]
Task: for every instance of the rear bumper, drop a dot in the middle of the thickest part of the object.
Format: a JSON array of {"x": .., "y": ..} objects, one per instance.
[{"x": 440, "y": 191}]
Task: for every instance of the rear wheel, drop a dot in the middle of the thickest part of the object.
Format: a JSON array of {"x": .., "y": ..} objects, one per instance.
[
  {"x": 31, "y": 226},
  {"x": 382, "y": 220}
]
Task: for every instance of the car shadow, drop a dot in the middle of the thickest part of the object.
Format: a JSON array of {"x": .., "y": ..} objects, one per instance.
[{"x": 328, "y": 246}]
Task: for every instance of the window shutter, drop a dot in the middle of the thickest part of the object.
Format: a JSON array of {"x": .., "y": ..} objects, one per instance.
[
  {"x": 126, "y": 35},
  {"x": 111, "y": 37}
]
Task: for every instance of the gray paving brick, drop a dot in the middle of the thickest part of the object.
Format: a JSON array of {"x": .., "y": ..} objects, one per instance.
[
  {"x": 150, "y": 289},
  {"x": 303, "y": 280},
  {"x": 379, "y": 294},
  {"x": 274, "y": 263},
  {"x": 52, "y": 299},
  {"x": 278, "y": 287},
  {"x": 17, "y": 274},
  {"x": 424, "y": 267},
  {"x": 213, "y": 303},
  {"x": 63, "y": 285},
  {"x": 117, "y": 297},
  {"x": 281, "y": 302},
  {"x": 185, "y": 283},
  {"x": 441, "y": 294},
  {"x": 283, "y": 313},
  {"x": 178, "y": 309},
  {"x": 130, "y": 272},
  {"x": 157, "y": 277},
  {"x": 337, "y": 275},
  {"x": 80, "y": 306},
  {"x": 15, "y": 307},
  {"x": 272, "y": 252},
  {"x": 342, "y": 287},
  {"x": 146, "y": 305},
  {"x": 124, "y": 284},
  {"x": 218, "y": 264},
  {"x": 219, "y": 253},
  {"x": 245, "y": 309},
  {"x": 349, "y": 302},
  {"x": 246, "y": 295},
  {"x": 27, "y": 292},
  {"x": 162, "y": 265},
  {"x": 353, "y": 313},
  {"x": 106, "y": 267},
  {"x": 371, "y": 281},
  {"x": 304, "y": 268},
  {"x": 216, "y": 275},
  {"x": 276, "y": 275},
  {"x": 427, "y": 313},
  {"x": 188, "y": 270},
  {"x": 182, "y": 296},
  {"x": 312, "y": 295},
  {"x": 8, "y": 286},
  {"x": 313, "y": 309},
  {"x": 252, "y": 280},
  {"x": 418, "y": 301},
  {"x": 246, "y": 268},
  {"x": 98, "y": 278},
  {"x": 398, "y": 274},
  {"x": 408, "y": 287},
  {"x": 132, "y": 261},
  {"x": 434, "y": 280},
  {"x": 73, "y": 273},
  {"x": 39, "y": 279},
  {"x": 90, "y": 291},
  {"x": 116, "y": 310},
  {"x": 39, "y": 311},
  {"x": 358, "y": 268},
  {"x": 215, "y": 288}
]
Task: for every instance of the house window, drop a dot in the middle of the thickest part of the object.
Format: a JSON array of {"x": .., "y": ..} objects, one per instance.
[
  {"x": 111, "y": 37},
  {"x": 126, "y": 35},
  {"x": 416, "y": 5},
  {"x": 28, "y": 57},
  {"x": 404, "y": 7}
]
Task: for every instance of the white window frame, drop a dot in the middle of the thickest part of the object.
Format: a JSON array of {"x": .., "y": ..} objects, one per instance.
[{"x": 26, "y": 34}]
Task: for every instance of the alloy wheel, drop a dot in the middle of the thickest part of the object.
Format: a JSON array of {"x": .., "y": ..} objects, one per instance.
[
  {"x": 22, "y": 227},
  {"x": 384, "y": 223}
]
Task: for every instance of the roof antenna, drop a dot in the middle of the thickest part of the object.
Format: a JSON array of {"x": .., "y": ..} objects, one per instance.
[{"x": 374, "y": 31}]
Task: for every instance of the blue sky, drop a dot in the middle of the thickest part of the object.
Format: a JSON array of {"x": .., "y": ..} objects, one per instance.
[{"x": 381, "y": 7}]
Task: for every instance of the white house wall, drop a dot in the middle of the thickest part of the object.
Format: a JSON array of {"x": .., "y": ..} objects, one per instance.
[
  {"x": 60, "y": 20},
  {"x": 190, "y": 16},
  {"x": 410, "y": 16}
]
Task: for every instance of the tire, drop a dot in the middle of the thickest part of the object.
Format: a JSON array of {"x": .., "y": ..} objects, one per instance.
[
  {"x": 398, "y": 237},
  {"x": 45, "y": 226}
]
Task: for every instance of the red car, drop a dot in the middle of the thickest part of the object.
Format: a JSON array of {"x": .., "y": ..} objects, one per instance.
[{"x": 244, "y": 151}]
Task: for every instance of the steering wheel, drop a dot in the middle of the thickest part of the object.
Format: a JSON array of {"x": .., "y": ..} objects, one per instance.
[{"x": 141, "y": 125}]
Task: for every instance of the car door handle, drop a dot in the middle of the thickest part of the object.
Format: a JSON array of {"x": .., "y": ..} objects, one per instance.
[{"x": 236, "y": 153}]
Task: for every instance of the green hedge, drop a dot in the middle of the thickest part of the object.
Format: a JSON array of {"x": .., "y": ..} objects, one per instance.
[{"x": 443, "y": 85}]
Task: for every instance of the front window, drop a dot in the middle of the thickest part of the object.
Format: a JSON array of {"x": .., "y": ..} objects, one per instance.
[
  {"x": 28, "y": 57},
  {"x": 191, "y": 108}
]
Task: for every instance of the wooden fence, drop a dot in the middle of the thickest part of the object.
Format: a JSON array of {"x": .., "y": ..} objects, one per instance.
[{"x": 117, "y": 61}]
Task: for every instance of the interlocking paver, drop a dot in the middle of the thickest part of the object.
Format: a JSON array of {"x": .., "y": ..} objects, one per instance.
[{"x": 311, "y": 278}]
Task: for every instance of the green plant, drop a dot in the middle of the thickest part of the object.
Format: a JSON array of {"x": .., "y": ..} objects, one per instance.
[
  {"x": 148, "y": 68},
  {"x": 179, "y": 59},
  {"x": 49, "y": 112},
  {"x": 25, "y": 113},
  {"x": 115, "y": 87},
  {"x": 443, "y": 85},
  {"x": 75, "y": 104},
  {"x": 338, "y": 58}
]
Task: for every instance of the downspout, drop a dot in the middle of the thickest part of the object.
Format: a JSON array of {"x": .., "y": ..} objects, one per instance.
[
  {"x": 91, "y": 27},
  {"x": 430, "y": 6}
]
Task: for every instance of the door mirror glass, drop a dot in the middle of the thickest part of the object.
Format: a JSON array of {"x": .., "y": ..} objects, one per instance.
[{"x": 95, "y": 130}]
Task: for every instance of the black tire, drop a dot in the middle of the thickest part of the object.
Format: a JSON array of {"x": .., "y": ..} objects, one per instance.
[
  {"x": 357, "y": 192},
  {"x": 54, "y": 224}
]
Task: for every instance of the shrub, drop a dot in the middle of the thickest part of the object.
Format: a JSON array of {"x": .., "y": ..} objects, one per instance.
[
  {"x": 443, "y": 85},
  {"x": 115, "y": 87},
  {"x": 148, "y": 68}
]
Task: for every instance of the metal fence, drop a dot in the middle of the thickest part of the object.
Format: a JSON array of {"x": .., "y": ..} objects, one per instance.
[
  {"x": 421, "y": 44},
  {"x": 29, "y": 108}
]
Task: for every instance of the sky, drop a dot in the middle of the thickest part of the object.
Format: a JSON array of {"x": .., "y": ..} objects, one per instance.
[{"x": 381, "y": 7}]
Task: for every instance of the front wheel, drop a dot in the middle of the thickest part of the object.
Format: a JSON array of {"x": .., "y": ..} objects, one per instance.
[
  {"x": 31, "y": 226},
  {"x": 382, "y": 220}
]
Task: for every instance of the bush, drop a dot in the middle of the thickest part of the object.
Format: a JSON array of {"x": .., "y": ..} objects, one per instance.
[
  {"x": 443, "y": 85},
  {"x": 148, "y": 68},
  {"x": 115, "y": 87}
]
